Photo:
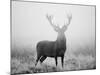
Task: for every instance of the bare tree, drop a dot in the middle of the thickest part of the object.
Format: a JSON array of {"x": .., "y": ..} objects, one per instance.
[{"x": 53, "y": 48}]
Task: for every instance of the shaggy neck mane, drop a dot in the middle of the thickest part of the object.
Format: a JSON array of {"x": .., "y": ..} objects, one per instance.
[{"x": 61, "y": 39}]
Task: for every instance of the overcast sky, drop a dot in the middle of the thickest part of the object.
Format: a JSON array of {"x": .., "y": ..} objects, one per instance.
[{"x": 30, "y": 25}]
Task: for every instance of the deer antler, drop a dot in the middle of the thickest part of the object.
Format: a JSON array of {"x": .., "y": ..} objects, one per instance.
[
  {"x": 66, "y": 24},
  {"x": 50, "y": 20},
  {"x": 69, "y": 18}
]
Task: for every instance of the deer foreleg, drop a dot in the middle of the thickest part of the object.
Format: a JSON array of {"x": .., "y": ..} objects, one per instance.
[
  {"x": 62, "y": 60},
  {"x": 56, "y": 61}
]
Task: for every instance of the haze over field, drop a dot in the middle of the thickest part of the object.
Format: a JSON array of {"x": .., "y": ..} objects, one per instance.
[{"x": 30, "y": 25}]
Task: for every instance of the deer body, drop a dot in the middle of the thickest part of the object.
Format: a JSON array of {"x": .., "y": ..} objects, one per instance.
[
  {"x": 52, "y": 48},
  {"x": 55, "y": 48}
]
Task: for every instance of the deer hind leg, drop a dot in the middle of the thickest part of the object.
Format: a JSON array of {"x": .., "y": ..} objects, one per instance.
[
  {"x": 38, "y": 57},
  {"x": 43, "y": 58},
  {"x": 62, "y": 60}
]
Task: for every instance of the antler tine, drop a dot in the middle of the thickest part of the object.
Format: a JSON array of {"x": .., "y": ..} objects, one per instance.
[
  {"x": 49, "y": 18},
  {"x": 69, "y": 18}
]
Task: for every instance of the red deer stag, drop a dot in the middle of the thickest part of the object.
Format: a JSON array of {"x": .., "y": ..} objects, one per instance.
[{"x": 53, "y": 48}]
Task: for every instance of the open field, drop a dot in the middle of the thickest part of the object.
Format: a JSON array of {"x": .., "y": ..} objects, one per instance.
[{"x": 22, "y": 62}]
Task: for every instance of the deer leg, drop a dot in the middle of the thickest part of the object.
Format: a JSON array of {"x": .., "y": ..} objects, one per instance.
[
  {"x": 42, "y": 58},
  {"x": 38, "y": 57},
  {"x": 62, "y": 60},
  {"x": 56, "y": 61}
]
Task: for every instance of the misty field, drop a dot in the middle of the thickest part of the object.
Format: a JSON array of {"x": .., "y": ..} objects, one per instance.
[{"x": 23, "y": 61}]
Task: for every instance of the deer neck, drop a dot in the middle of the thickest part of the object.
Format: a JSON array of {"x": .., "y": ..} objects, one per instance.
[{"x": 61, "y": 40}]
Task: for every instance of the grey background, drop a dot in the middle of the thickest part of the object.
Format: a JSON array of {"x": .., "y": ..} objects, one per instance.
[{"x": 29, "y": 24}]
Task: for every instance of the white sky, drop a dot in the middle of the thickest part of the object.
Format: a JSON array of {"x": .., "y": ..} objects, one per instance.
[{"x": 30, "y": 25}]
